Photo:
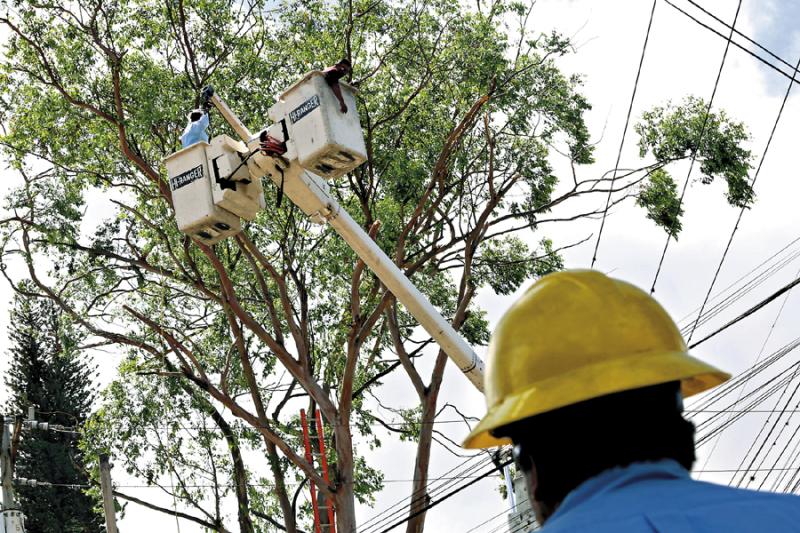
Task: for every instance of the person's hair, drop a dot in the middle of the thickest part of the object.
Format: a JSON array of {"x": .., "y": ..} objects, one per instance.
[
  {"x": 344, "y": 61},
  {"x": 196, "y": 116},
  {"x": 577, "y": 442}
]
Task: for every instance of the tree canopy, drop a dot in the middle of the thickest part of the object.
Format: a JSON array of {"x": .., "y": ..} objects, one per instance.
[{"x": 462, "y": 108}]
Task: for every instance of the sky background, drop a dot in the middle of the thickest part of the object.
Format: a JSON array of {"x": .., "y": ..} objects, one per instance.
[{"x": 682, "y": 59}]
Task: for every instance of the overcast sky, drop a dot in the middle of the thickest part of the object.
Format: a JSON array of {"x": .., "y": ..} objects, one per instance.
[{"x": 682, "y": 59}]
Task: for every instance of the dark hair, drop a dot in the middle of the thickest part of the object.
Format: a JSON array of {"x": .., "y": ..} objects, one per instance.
[
  {"x": 344, "y": 61},
  {"x": 577, "y": 442},
  {"x": 196, "y": 116}
]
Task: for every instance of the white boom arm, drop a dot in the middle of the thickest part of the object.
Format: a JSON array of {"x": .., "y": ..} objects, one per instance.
[
  {"x": 312, "y": 195},
  {"x": 240, "y": 129}
]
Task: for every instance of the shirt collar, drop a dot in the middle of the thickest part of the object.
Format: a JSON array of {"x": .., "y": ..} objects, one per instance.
[{"x": 617, "y": 477}]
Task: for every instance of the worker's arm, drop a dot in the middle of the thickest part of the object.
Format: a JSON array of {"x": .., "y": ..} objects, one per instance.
[{"x": 338, "y": 92}]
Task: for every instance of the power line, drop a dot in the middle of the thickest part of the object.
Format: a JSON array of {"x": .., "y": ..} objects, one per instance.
[
  {"x": 760, "y": 394},
  {"x": 756, "y": 56},
  {"x": 741, "y": 212},
  {"x": 773, "y": 256},
  {"x": 697, "y": 146},
  {"x": 701, "y": 8},
  {"x": 264, "y": 485},
  {"x": 624, "y": 132},
  {"x": 492, "y": 519},
  {"x": 448, "y": 495},
  {"x": 743, "y": 291},
  {"x": 749, "y": 311},
  {"x": 254, "y": 428},
  {"x": 379, "y": 519},
  {"x": 774, "y": 425},
  {"x": 741, "y": 390}
]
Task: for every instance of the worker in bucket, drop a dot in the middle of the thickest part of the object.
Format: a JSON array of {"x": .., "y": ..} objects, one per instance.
[
  {"x": 333, "y": 75},
  {"x": 195, "y": 131},
  {"x": 586, "y": 377}
]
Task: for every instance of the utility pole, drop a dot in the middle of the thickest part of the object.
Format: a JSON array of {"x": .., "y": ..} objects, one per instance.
[
  {"x": 108, "y": 494},
  {"x": 12, "y": 515}
]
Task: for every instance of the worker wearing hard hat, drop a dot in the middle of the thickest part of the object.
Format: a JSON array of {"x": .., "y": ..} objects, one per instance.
[
  {"x": 195, "y": 131},
  {"x": 586, "y": 376}
]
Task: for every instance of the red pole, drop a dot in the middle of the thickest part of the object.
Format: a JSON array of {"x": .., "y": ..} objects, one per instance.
[
  {"x": 310, "y": 460},
  {"x": 325, "y": 469}
]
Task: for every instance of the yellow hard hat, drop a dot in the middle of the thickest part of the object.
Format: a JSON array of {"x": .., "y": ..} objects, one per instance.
[{"x": 577, "y": 335}]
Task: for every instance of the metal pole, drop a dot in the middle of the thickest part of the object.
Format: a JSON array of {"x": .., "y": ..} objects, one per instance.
[
  {"x": 510, "y": 489},
  {"x": 231, "y": 118},
  {"x": 406, "y": 293},
  {"x": 8, "y": 474},
  {"x": 108, "y": 494}
]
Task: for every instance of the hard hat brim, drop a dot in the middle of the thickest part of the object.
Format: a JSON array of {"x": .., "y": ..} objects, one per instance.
[{"x": 585, "y": 383}]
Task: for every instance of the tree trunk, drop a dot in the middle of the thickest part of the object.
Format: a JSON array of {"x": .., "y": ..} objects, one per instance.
[
  {"x": 419, "y": 489},
  {"x": 345, "y": 485}
]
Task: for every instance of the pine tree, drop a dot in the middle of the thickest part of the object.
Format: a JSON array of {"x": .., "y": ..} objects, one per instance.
[{"x": 46, "y": 373}]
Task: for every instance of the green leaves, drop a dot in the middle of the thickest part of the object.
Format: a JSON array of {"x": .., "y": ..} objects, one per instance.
[
  {"x": 675, "y": 132},
  {"x": 659, "y": 195},
  {"x": 505, "y": 264}
]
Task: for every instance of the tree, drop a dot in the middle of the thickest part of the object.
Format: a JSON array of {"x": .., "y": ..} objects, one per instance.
[
  {"x": 46, "y": 373},
  {"x": 462, "y": 109}
]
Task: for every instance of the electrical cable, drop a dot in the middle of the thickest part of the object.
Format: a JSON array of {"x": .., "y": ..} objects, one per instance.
[
  {"x": 448, "y": 495},
  {"x": 742, "y": 291},
  {"x": 702, "y": 428},
  {"x": 781, "y": 380},
  {"x": 697, "y": 146},
  {"x": 392, "y": 424},
  {"x": 741, "y": 212},
  {"x": 759, "y": 58},
  {"x": 792, "y": 458},
  {"x": 731, "y": 385},
  {"x": 769, "y": 334},
  {"x": 495, "y": 517},
  {"x": 783, "y": 451},
  {"x": 427, "y": 492},
  {"x": 744, "y": 386},
  {"x": 399, "y": 503},
  {"x": 773, "y": 256},
  {"x": 749, "y": 312},
  {"x": 774, "y": 425},
  {"x": 701, "y": 8},
  {"x": 778, "y": 436},
  {"x": 624, "y": 132},
  {"x": 705, "y": 432}
]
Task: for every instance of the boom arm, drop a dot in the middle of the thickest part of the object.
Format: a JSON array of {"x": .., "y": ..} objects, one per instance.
[{"x": 312, "y": 195}]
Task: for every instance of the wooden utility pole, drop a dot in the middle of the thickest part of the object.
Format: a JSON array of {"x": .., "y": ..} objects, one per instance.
[{"x": 108, "y": 494}]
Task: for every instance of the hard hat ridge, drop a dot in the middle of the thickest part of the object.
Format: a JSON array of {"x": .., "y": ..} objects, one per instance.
[{"x": 577, "y": 335}]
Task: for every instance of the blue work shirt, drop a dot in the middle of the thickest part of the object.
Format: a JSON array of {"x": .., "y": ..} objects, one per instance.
[
  {"x": 661, "y": 497},
  {"x": 195, "y": 132}
]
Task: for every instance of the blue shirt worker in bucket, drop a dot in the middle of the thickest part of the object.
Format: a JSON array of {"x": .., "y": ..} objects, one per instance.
[
  {"x": 195, "y": 131},
  {"x": 586, "y": 377}
]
